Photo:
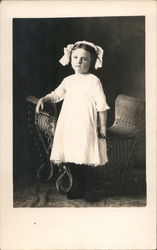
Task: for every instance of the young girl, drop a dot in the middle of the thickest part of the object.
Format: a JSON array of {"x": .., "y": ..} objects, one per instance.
[{"x": 81, "y": 128}]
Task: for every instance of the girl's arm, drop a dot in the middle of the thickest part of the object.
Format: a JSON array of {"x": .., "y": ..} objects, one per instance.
[
  {"x": 41, "y": 102},
  {"x": 103, "y": 122},
  {"x": 55, "y": 96}
]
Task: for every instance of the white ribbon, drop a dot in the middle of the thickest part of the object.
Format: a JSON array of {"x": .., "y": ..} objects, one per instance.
[
  {"x": 66, "y": 58},
  {"x": 67, "y": 52}
]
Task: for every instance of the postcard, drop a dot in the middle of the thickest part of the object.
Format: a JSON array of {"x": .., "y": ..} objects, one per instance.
[{"x": 78, "y": 125}]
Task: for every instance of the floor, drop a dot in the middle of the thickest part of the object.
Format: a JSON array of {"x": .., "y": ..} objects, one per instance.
[{"x": 112, "y": 195}]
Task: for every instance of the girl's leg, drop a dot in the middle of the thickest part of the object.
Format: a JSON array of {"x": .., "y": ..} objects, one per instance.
[
  {"x": 90, "y": 194},
  {"x": 77, "y": 190}
]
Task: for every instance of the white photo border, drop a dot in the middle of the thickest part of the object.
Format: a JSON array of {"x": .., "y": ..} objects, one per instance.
[{"x": 71, "y": 228}]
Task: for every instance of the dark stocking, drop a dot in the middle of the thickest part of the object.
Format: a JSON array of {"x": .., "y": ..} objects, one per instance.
[
  {"x": 77, "y": 189},
  {"x": 90, "y": 194}
]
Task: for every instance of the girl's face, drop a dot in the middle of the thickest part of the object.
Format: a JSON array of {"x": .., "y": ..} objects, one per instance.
[{"x": 81, "y": 60}]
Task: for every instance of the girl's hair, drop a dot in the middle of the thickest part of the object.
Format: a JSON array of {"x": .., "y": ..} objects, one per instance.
[{"x": 90, "y": 49}]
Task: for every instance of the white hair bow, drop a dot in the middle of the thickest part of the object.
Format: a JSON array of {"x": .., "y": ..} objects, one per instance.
[
  {"x": 67, "y": 53},
  {"x": 99, "y": 61}
]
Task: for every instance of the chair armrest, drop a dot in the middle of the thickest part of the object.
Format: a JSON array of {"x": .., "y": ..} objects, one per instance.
[{"x": 32, "y": 99}]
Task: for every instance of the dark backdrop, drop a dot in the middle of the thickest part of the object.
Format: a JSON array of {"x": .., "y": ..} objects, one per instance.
[{"x": 38, "y": 46}]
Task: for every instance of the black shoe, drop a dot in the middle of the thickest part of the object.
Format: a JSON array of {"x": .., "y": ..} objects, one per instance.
[
  {"x": 92, "y": 196},
  {"x": 75, "y": 195}
]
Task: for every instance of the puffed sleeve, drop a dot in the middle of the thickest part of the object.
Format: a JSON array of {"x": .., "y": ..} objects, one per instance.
[
  {"x": 100, "y": 98},
  {"x": 58, "y": 94}
]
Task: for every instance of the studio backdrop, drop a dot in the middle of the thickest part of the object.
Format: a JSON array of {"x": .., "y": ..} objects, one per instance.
[{"x": 37, "y": 48}]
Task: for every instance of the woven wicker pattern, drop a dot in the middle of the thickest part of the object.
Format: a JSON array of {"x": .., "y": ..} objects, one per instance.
[{"x": 129, "y": 116}]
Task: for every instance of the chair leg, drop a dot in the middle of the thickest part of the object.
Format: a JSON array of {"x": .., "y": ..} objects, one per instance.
[{"x": 65, "y": 180}]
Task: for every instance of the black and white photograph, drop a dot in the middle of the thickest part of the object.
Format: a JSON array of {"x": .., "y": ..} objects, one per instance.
[
  {"x": 79, "y": 112},
  {"x": 78, "y": 125}
]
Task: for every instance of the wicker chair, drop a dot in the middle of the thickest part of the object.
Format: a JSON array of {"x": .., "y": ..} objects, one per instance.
[
  {"x": 42, "y": 128},
  {"x": 122, "y": 138}
]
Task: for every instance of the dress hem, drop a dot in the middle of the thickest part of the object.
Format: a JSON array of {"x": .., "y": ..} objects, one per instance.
[{"x": 60, "y": 163}]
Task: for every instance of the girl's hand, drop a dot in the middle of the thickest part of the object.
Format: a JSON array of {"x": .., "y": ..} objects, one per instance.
[
  {"x": 40, "y": 104},
  {"x": 103, "y": 121},
  {"x": 103, "y": 131}
]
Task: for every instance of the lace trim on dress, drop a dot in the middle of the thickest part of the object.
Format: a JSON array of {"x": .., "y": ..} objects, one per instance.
[{"x": 59, "y": 163}]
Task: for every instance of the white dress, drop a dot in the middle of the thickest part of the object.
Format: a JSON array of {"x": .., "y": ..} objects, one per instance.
[{"x": 76, "y": 137}]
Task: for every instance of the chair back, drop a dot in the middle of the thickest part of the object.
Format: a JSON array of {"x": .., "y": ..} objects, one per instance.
[{"x": 129, "y": 116}]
